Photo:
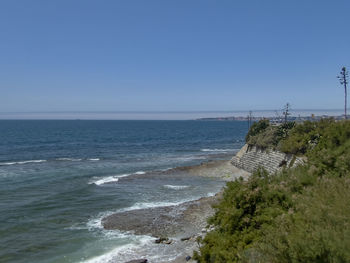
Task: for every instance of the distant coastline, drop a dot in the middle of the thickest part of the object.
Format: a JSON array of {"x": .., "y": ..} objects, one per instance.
[
  {"x": 274, "y": 119},
  {"x": 162, "y": 115}
]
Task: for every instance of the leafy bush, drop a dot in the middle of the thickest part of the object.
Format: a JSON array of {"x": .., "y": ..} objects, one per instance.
[
  {"x": 263, "y": 135},
  {"x": 331, "y": 155},
  {"x": 317, "y": 231},
  {"x": 245, "y": 209},
  {"x": 298, "y": 215},
  {"x": 257, "y": 128},
  {"x": 283, "y": 130},
  {"x": 303, "y": 137},
  {"x": 265, "y": 139}
]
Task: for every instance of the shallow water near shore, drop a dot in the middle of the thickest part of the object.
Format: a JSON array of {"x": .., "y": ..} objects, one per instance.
[{"x": 58, "y": 179}]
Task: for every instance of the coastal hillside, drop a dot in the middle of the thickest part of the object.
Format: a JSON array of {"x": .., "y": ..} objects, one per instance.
[{"x": 298, "y": 214}]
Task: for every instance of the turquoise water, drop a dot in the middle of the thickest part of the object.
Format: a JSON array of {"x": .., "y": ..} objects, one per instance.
[{"x": 58, "y": 179}]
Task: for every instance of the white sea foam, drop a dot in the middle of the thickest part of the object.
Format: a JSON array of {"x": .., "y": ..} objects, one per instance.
[
  {"x": 69, "y": 159},
  {"x": 140, "y": 247},
  {"x": 9, "y": 163},
  {"x": 190, "y": 158},
  {"x": 218, "y": 150},
  {"x": 96, "y": 222},
  {"x": 23, "y": 162},
  {"x": 104, "y": 180},
  {"x": 94, "y": 159},
  {"x": 111, "y": 179},
  {"x": 124, "y": 252},
  {"x": 95, "y": 225},
  {"x": 143, "y": 205},
  {"x": 133, "y": 242},
  {"x": 137, "y": 246},
  {"x": 176, "y": 187}
]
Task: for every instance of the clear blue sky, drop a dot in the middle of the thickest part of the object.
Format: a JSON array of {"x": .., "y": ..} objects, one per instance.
[{"x": 182, "y": 55}]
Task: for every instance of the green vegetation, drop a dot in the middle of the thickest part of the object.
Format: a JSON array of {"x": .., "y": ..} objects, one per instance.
[
  {"x": 297, "y": 215},
  {"x": 257, "y": 128},
  {"x": 264, "y": 135}
]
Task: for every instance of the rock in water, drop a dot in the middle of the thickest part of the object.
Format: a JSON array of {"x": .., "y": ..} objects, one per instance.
[
  {"x": 168, "y": 242},
  {"x": 161, "y": 240}
]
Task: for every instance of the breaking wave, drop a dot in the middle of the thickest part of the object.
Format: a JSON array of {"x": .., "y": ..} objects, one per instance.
[
  {"x": 176, "y": 187},
  {"x": 23, "y": 162},
  {"x": 111, "y": 178}
]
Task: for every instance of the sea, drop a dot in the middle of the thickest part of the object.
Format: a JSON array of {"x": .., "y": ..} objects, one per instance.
[{"x": 59, "y": 178}]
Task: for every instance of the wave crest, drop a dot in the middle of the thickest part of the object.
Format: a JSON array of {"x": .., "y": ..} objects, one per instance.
[
  {"x": 111, "y": 178},
  {"x": 176, "y": 187},
  {"x": 23, "y": 162},
  {"x": 68, "y": 159},
  {"x": 105, "y": 180}
]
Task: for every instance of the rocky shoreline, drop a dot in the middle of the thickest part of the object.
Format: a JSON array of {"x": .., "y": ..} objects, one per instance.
[
  {"x": 168, "y": 221},
  {"x": 179, "y": 225}
]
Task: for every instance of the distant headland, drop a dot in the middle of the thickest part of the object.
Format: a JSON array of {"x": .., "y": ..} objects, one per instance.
[{"x": 274, "y": 119}]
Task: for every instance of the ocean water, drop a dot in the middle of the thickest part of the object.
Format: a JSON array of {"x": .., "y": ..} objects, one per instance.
[{"x": 58, "y": 179}]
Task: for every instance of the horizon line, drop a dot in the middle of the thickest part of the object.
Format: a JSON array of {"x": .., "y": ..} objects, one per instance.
[
  {"x": 162, "y": 115},
  {"x": 169, "y": 111}
]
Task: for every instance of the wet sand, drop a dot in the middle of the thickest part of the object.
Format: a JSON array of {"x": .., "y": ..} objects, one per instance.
[{"x": 182, "y": 223}]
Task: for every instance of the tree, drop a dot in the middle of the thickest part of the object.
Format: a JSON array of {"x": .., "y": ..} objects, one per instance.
[{"x": 343, "y": 79}]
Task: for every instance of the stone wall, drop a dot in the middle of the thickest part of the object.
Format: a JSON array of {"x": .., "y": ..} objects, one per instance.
[{"x": 250, "y": 158}]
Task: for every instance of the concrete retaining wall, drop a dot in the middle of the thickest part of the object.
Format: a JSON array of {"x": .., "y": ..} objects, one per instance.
[{"x": 250, "y": 158}]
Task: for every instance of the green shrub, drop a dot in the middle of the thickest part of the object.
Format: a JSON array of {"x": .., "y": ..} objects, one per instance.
[
  {"x": 245, "y": 209},
  {"x": 264, "y": 135},
  {"x": 304, "y": 137},
  {"x": 331, "y": 155},
  {"x": 283, "y": 130},
  {"x": 257, "y": 128},
  {"x": 298, "y": 215},
  {"x": 317, "y": 231},
  {"x": 265, "y": 139}
]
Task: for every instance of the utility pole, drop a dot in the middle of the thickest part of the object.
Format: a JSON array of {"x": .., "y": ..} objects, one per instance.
[
  {"x": 249, "y": 118},
  {"x": 343, "y": 79},
  {"x": 286, "y": 112}
]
